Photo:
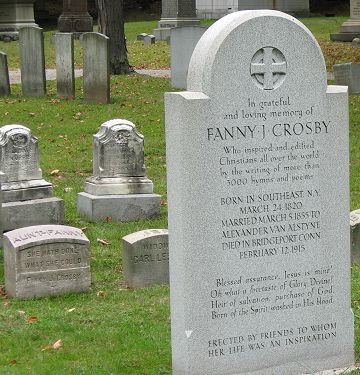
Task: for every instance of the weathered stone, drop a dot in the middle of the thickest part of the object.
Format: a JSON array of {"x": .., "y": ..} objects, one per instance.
[
  {"x": 119, "y": 176},
  {"x": 27, "y": 197},
  {"x": 348, "y": 75},
  {"x": 146, "y": 258},
  {"x": 141, "y": 36},
  {"x": 46, "y": 260},
  {"x": 176, "y": 13},
  {"x": 32, "y": 61},
  {"x": 65, "y": 77},
  {"x": 258, "y": 197},
  {"x": 182, "y": 43},
  {"x": 96, "y": 68},
  {"x": 355, "y": 41},
  {"x": 149, "y": 39},
  {"x": 15, "y": 14},
  {"x": 351, "y": 28},
  {"x": 4, "y": 76},
  {"x": 75, "y": 17},
  {"x": 355, "y": 236}
]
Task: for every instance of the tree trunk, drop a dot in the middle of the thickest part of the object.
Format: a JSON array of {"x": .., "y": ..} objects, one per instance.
[{"x": 111, "y": 24}]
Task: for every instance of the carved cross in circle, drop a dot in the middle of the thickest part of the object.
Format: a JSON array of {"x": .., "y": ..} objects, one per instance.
[{"x": 265, "y": 64}]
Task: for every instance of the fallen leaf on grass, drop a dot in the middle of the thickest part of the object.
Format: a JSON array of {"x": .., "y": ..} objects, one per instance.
[
  {"x": 56, "y": 345},
  {"x": 13, "y": 362},
  {"x": 84, "y": 229},
  {"x": 108, "y": 219},
  {"x": 103, "y": 242},
  {"x": 20, "y": 313},
  {"x": 6, "y": 302},
  {"x": 32, "y": 319},
  {"x": 71, "y": 310},
  {"x": 68, "y": 189},
  {"x": 55, "y": 172},
  {"x": 163, "y": 203},
  {"x": 2, "y": 291},
  {"x": 101, "y": 294}
]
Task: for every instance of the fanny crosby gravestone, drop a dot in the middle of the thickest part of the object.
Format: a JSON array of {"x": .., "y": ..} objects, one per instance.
[{"x": 258, "y": 196}]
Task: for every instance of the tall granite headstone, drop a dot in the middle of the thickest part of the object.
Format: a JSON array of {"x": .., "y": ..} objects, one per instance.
[
  {"x": 175, "y": 13},
  {"x": 119, "y": 187},
  {"x": 32, "y": 61},
  {"x": 182, "y": 43},
  {"x": 27, "y": 198},
  {"x": 146, "y": 258},
  {"x": 46, "y": 260},
  {"x": 4, "y": 75},
  {"x": 65, "y": 76},
  {"x": 96, "y": 77},
  {"x": 351, "y": 28},
  {"x": 75, "y": 17},
  {"x": 258, "y": 200}
]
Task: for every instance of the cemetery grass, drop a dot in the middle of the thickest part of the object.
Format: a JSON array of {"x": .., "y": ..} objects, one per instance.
[
  {"x": 110, "y": 329},
  {"x": 158, "y": 56}
]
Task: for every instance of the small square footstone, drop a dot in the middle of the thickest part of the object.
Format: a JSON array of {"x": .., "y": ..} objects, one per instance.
[
  {"x": 258, "y": 204},
  {"x": 46, "y": 260},
  {"x": 146, "y": 258}
]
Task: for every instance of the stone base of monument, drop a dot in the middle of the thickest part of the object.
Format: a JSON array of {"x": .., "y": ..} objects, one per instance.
[
  {"x": 79, "y": 23},
  {"x": 162, "y": 32},
  {"x": 119, "y": 207},
  {"x": 344, "y": 37},
  {"x": 16, "y": 191},
  {"x": 32, "y": 212},
  {"x": 118, "y": 185}
]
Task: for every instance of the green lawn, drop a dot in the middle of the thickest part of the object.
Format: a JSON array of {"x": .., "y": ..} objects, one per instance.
[{"x": 118, "y": 331}]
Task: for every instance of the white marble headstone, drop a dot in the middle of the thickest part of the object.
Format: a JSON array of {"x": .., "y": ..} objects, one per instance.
[{"x": 258, "y": 198}]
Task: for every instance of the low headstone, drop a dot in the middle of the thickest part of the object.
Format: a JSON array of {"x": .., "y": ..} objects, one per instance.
[
  {"x": 32, "y": 61},
  {"x": 119, "y": 187},
  {"x": 182, "y": 43},
  {"x": 65, "y": 77},
  {"x": 4, "y": 76},
  {"x": 141, "y": 36},
  {"x": 146, "y": 258},
  {"x": 348, "y": 75},
  {"x": 356, "y": 41},
  {"x": 46, "y": 260},
  {"x": 96, "y": 68},
  {"x": 149, "y": 39},
  {"x": 258, "y": 197},
  {"x": 27, "y": 198}
]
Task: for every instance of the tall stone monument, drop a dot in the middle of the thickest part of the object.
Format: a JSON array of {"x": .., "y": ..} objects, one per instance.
[
  {"x": 176, "y": 13},
  {"x": 27, "y": 198},
  {"x": 119, "y": 187},
  {"x": 15, "y": 14},
  {"x": 75, "y": 17},
  {"x": 258, "y": 202},
  {"x": 351, "y": 28}
]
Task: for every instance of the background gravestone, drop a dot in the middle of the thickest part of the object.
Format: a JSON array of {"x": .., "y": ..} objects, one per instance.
[
  {"x": 96, "y": 68},
  {"x": 182, "y": 43},
  {"x": 27, "y": 198},
  {"x": 149, "y": 39},
  {"x": 65, "y": 77},
  {"x": 175, "y": 13},
  {"x": 4, "y": 75},
  {"x": 258, "y": 197},
  {"x": 348, "y": 75},
  {"x": 75, "y": 17},
  {"x": 146, "y": 258},
  {"x": 46, "y": 260},
  {"x": 32, "y": 61},
  {"x": 119, "y": 187},
  {"x": 350, "y": 29}
]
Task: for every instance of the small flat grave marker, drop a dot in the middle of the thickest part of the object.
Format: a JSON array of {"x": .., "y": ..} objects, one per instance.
[
  {"x": 146, "y": 258},
  {"x": 46, "y": 260}
]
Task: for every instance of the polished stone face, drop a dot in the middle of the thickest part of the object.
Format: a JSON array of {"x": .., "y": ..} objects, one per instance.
[
  {"x": 258, "y": 200},
  {"x": 46, "y": 260}
]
